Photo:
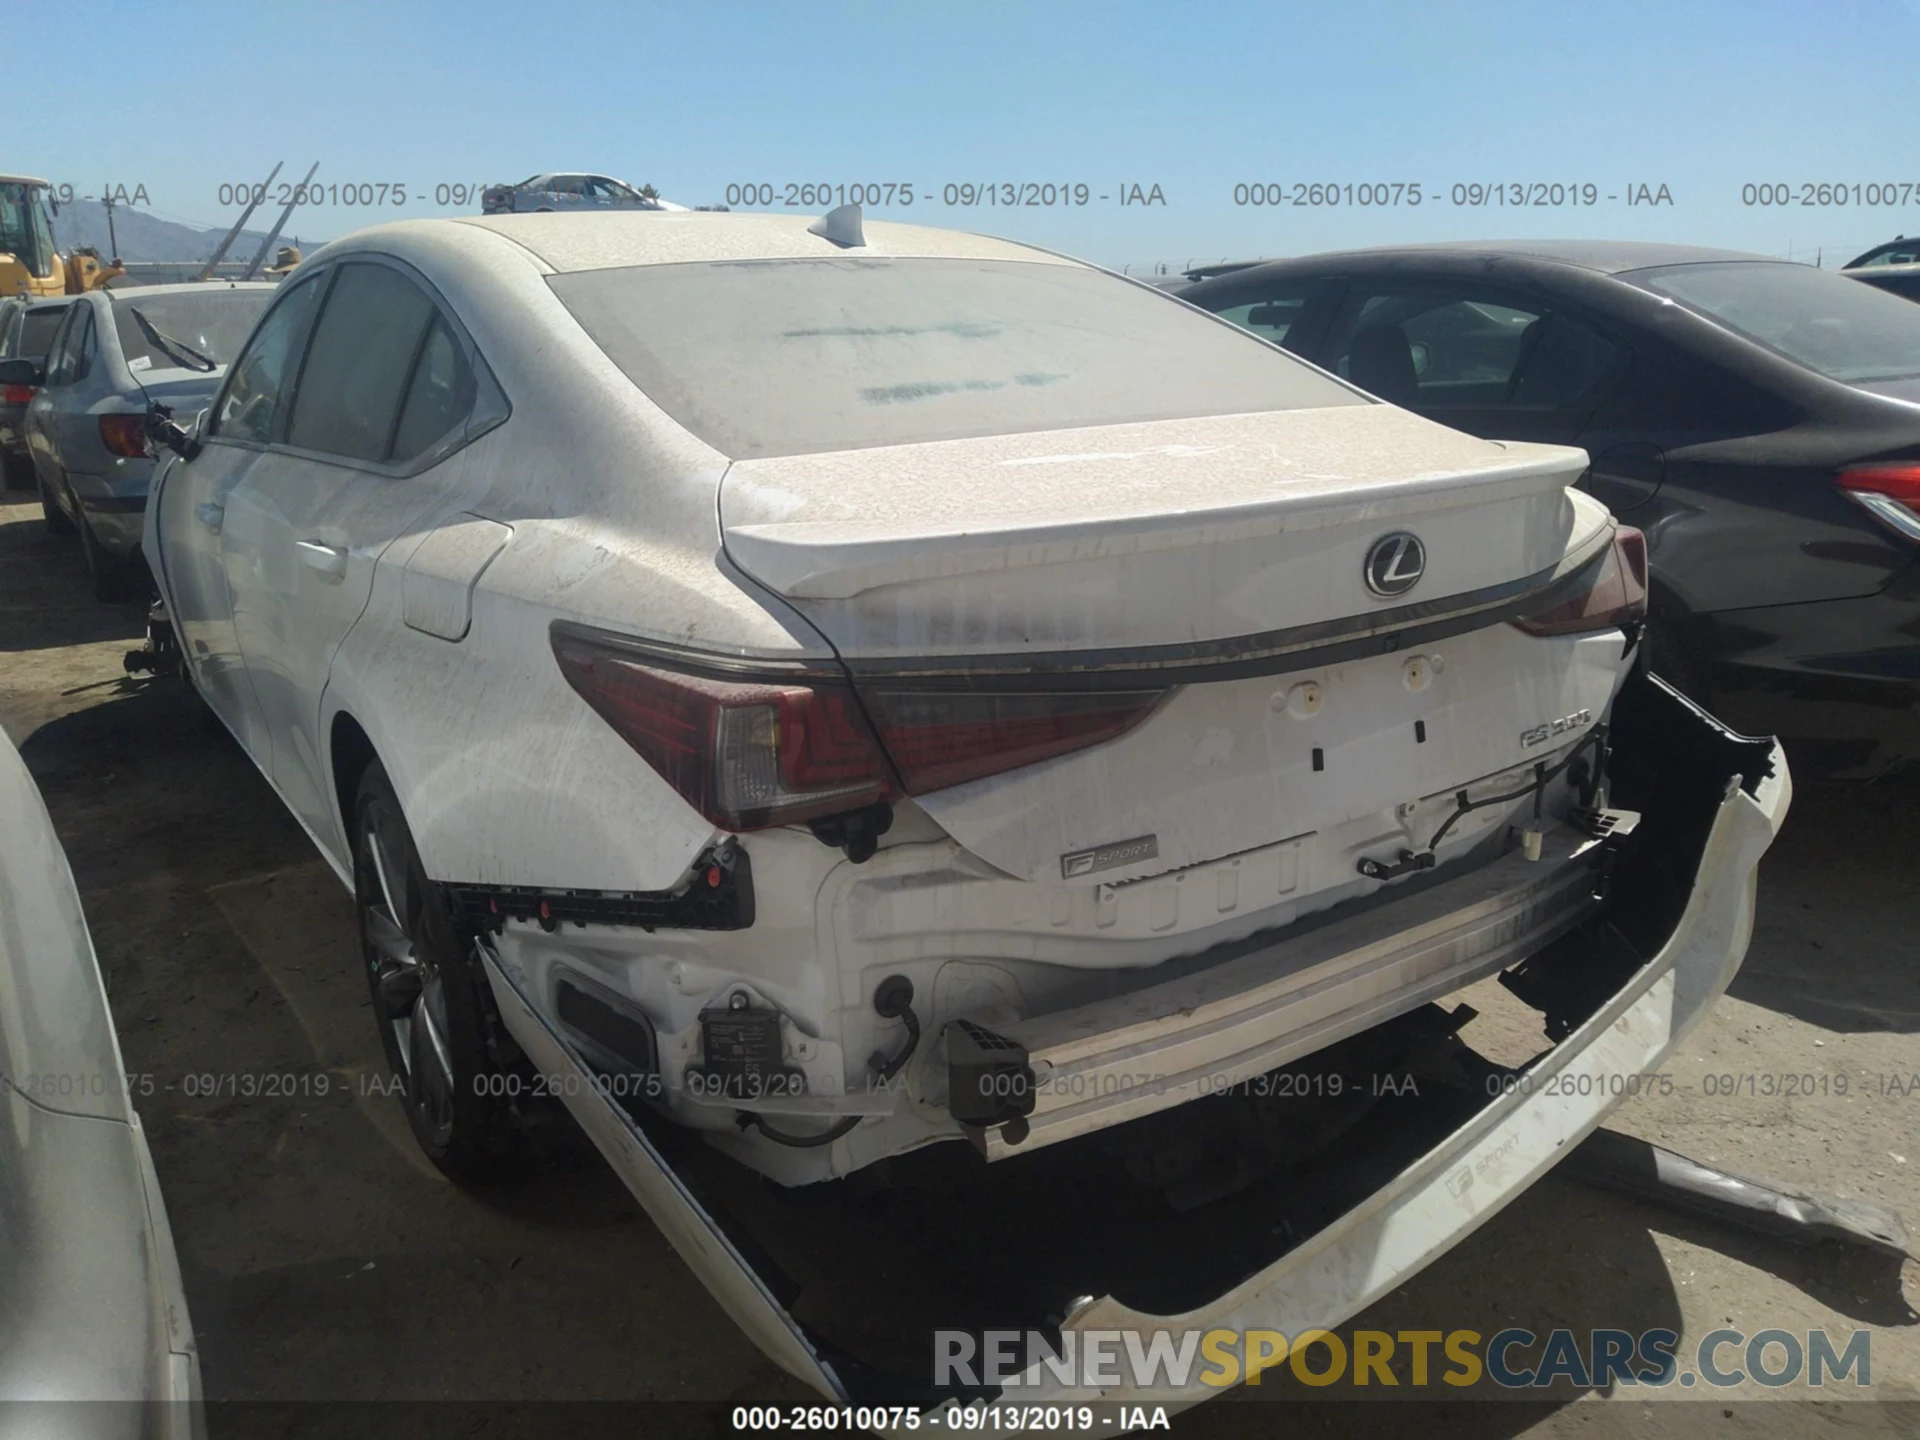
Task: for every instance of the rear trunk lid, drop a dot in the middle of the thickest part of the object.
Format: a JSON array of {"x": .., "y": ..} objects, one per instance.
[
  {"x": 1219, "y": 564},
  {"x": 1142, "y": 536}
]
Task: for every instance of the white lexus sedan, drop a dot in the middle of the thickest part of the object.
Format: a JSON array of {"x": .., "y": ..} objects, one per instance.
[{"x": 914, "y": 712}]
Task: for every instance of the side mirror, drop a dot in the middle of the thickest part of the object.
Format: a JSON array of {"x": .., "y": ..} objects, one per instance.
[
  {"x": 162, "y": 430},
  {"x": 23, "y": 372}
]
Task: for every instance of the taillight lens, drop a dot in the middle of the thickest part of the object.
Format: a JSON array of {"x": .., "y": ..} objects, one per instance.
[
  {"x": 18, "y": 394},
  {"x": 124, "y": 435},
  {"x": 1617, "y": 596},
  {"x": 746, "y": 756},
  {"x": 938, "y": 739},
  {"x": 750, "y": 754},
  {"x": 1889, "y": 493}
]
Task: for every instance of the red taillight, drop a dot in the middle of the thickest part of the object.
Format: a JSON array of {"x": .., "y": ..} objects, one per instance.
[
  {"x": 1889, "y": 493},
  {"x": 746, "y": 756},
  {"x": 938, "y": 739},
  {"x": 124, "y": 435},
  {"x": 750, "y": 754},
  {"x": 18, "y": 394},
  {"x": 1617, "y": 596}
]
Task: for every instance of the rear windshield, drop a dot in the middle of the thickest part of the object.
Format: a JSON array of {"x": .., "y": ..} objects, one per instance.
[
  {"x": 36, "y": 332},
  {"x": 792, "y": 357},
  {"x": 193, "y": 328},
  {"x": 1827, "y": 322}
]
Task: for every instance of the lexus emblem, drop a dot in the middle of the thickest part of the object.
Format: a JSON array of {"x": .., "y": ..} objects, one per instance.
[{"x": 1395, "y": 564}]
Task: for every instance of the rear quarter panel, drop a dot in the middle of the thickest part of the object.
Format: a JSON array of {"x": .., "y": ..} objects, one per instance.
[{"x": 504, "y": 773}]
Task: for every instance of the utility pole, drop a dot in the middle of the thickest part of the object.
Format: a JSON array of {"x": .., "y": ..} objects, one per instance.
[{"x": 113, "y": 240}]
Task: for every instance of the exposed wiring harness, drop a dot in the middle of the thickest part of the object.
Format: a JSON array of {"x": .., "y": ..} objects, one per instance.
[
  {"x": 892, "y": 1001},
  {"x": 1542, "y": 773}
]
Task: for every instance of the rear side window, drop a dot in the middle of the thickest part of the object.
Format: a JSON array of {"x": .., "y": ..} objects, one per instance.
[
  {"x": 261, "y": 379},
  {"x": 37, "y": 329},
  {"x": 71, "y": 360},
  {"x": 1438, "y": 350},
  {"x": 438, "y": 397},
  {"x": 794, "y": 357},
  {"x": 1829, "y": 323},
  {"x": 357, "y": 368}
]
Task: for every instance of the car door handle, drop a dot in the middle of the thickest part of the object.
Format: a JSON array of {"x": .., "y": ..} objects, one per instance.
[
  {"x": 329, "y": 560},
  {"x": 210, "y": 515}
]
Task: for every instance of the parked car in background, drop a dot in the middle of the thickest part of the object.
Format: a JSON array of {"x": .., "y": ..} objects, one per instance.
[
  {"x": 1901, "y": 280},
  {"x": 1901, "y": 250},
  {"x": 1756, "y": 418},
  {"x": 899, "y": 703},
  {"x": 570, "y": 190},
  {"x": 94, "y": 1308},
  {"x": 26, "y": 333},
  {"x": 116, "y": 352}
]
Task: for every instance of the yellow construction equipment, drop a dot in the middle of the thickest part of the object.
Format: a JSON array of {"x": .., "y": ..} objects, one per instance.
[{"x": 29, "y": 265}]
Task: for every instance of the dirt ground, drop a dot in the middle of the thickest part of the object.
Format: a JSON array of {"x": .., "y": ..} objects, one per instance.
[{"x": 325, "y": 1261}]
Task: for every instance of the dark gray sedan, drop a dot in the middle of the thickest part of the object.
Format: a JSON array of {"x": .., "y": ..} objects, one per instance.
[
  {"x": 1901, "y": 280},
  {"x": 1758, "y": 419}
]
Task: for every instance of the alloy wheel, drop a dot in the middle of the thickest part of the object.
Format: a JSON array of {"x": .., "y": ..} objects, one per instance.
[{"x": 409, "y": 990}]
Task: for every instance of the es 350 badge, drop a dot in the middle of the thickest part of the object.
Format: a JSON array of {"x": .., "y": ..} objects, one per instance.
[{"x": 1540, "y": 734}]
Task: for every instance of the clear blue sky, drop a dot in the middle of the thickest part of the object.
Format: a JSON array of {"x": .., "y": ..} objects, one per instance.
[{"x": 1701, "y": 97}]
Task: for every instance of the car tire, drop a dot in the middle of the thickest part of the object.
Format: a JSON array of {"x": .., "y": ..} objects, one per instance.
[
  {"x": 113, "y": 579},
  {"x": 1669, "y": 657},
  {"x": 430, "y": 999},
  {"x": 57, "y": 521}
]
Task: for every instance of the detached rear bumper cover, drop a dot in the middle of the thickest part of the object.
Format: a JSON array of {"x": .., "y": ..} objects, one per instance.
[
  {"x": 1436, "y": 1203},
  {"x": 1395, "y": 1232}
]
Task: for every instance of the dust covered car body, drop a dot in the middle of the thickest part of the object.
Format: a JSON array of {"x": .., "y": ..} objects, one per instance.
[
  {"x": 94, "y": 1335},
  {"x": 824, "y": 695}
]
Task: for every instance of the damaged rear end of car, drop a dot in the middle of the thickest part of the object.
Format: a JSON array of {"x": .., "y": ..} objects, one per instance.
[
  {"x": 1072, "y": 935},
  {"x": 1059, "y": 983}
]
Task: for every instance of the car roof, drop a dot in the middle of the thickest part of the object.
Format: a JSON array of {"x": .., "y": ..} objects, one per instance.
[
  {"x": 1608, "y": 257},
  {"x": 619, "y": 239},
  {"x": 1898, "y": 242},
  {"x": 191, "y": 287}
]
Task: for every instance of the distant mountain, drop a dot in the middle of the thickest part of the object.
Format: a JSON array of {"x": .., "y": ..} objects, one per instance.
[{"x": 146, "y": 237}]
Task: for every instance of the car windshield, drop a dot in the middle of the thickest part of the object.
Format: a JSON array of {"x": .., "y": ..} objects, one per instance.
[
  {"x": 1836, "y": 326},
  {"x": 789, "y": 357},
  {"x": 192, "y": 330},
  {"x": 23, "y": 226}
]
